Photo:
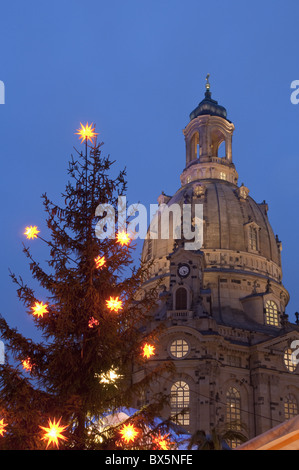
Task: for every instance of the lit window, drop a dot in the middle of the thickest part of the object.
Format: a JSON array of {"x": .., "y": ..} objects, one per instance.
[
  {"x": 222, "y": 175},
  {"x": 179, "y": 348},
  {"x": 290, "y": 407},
  {"x": 188, "y": 179},
  {"x": 179, "y": 401},
  {"x": 287, "y": 359},
  {"x": 233, "y": 413},
  {"x": 272, "y": 315}
]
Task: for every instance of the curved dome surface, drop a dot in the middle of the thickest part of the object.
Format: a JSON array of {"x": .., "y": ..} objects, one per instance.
[{"x": 226, "y": 216}]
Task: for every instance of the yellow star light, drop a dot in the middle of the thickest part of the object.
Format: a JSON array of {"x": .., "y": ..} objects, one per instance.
[
  {"x": 162, "y": 442},
  {"x": 39, "y": 309},
  {"x": 27, "y": 364},
  {"x": 123, "y": 238},
  {"x": 53, "y": 433},
  {"x": 148, "y": 350},
  {"x": 114, "y": 304},
  {"x": 100, "y": 261},
  {"x": 31, "y": 232},
  {"x": 86, "y": 133},
  {"x": 2, "y": 427},
  {"x": 93, "y": 322},
  {"x": 128, "y": 433}
]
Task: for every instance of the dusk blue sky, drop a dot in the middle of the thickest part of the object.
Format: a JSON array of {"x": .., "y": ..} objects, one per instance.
[{"x": 137, "y": 69}]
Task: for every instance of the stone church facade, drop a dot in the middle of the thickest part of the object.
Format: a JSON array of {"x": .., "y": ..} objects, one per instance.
[{"x": 222, "y": 306}]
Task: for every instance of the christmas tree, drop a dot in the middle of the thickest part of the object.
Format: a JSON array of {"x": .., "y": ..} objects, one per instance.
[{"x": 59, "y": 392}]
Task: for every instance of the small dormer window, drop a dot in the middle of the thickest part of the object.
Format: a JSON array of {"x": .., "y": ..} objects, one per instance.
[{"x": 272, "y": 314}]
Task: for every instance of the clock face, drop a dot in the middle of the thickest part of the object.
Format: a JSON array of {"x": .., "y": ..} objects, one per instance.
[{"x": 183, "y": 270}]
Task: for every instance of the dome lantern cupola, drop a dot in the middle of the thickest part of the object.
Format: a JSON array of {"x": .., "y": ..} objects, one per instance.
[{"x": 208, "y": 131}]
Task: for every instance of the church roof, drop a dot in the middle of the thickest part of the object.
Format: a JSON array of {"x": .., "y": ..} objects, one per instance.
[{"x": 208, "y": 106}]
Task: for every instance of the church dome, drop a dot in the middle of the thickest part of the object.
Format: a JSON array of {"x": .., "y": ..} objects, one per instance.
[
  {"x": 232, "y": 223},
  {"x": 240, "y": 257},
  {"x": 208, "y": 105}
]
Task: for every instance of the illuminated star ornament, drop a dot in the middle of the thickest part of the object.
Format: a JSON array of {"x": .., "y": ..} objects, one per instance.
[
  {"x": 39, "y": 309},
  {"x": 2, "y": 427},
  {"x": 148, "y": 350},
  {"x": 123, "y": 238},
  {"x": 86, "y": 133},
  {"x": 162, "y": 442},
  {"x": 128, "y": 433},
  {"x": 27, "y": 365},
  {"x": 53, "y": 433},
  {"x": 114, "y": 304},
  {"x": 100, "y": 261},
  {"x": 31, "y": 232},
  {"x": 93, "y": 322}
]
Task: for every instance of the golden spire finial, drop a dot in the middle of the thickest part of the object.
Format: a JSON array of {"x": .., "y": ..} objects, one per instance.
[{"x": 207, "y": 80}]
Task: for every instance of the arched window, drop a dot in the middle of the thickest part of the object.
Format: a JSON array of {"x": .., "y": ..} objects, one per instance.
[
  {"x": 290, "y": 407},
  {"x": 179, "y": 400},
  {"x": 233, "y": 413},
  {"x": 181, "y": 299},
  {"x": 272, "y": 314},
  {"x": 221, "y": 153},
  {"x": 195, "y": 149}
]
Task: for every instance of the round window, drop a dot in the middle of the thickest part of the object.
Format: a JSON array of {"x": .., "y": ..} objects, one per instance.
[{"x": 179, "y": 348}]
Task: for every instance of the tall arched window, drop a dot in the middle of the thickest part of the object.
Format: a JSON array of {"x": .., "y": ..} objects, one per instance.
[
  {"x": 233, "y": 413},
  {"x": 290, "y": 407},
  {"x": 180, "y": 399},
  {"x": 221, "y": 152},
  {"x": 272, "y": 314},
  {"x": 181, "y": 299}
]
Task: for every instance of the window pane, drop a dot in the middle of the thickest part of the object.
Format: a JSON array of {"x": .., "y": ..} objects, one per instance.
[
  {"x": 179, "y": 400},
  {"x": 179, "y": 348},
  {"x": 233, "y": 413},
  {"x": 272, "y": 315}
]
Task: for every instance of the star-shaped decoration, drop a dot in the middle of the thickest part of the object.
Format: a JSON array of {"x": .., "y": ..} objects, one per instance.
[
  {"x": 114, "y": 304},
  {"x": 31, "y": 232},
  {"x": 39, "y": 309},
  {"x": 86, "y": 133},
  {"x": 53, "y": 433}
]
